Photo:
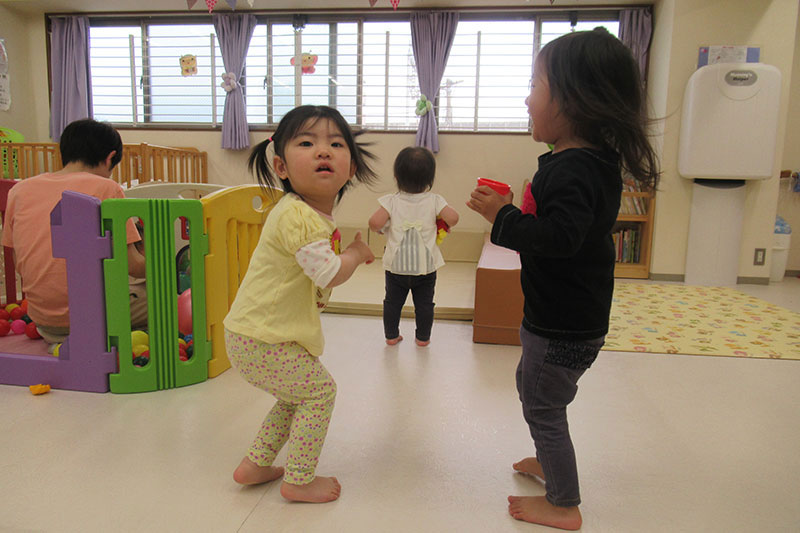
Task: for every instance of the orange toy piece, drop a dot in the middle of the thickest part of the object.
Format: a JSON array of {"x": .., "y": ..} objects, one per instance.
[{"x": 39, "y": 389}]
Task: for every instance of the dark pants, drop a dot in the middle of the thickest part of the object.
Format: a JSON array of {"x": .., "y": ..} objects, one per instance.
[
  {"x": 397, "y": 287},
  {"x": 547, "y": 381}
]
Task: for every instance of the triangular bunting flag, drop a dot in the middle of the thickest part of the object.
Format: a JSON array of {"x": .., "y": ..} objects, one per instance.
[
  {"x": 372, "y": 3},
  {"x": 251, "y": 2},
  {"x": 211, "y": 4},
  {"x": 231, "y": 3},
  {"x": 190, "y": 3},
  {"x": 395, "y": 3}
]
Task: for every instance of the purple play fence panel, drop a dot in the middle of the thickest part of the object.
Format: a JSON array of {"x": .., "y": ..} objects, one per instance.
[{"x": 83, "y": 363}]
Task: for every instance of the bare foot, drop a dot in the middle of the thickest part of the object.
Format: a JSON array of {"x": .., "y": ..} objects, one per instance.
[
  {"x": 537, "y": 510},
  {"x": 392, "y": 342},
  {"x": 321, "y": 490},
  {"x": 530, "y": 466},
  {"x": 422, "y": 343},
  {"x": 249, "y": 473}
]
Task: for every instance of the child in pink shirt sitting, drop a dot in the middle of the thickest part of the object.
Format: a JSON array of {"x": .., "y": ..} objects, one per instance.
[{"x": 89, "y": 151}]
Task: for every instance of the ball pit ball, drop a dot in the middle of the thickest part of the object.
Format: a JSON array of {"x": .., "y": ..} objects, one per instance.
[
  {"x": 5, "y": 327},
  {"x": 17, "y": 313},
  {"x": 31, "y": 331},
  {"x": 56, "y": 349},
  {"x": 24, "y": 304},
  {"x": 140, "y": 337},
  {"x": 18, "y": 326},
  {"x": 139, "y": 349},
  {"x": 185, "y": 312},
  {"x": 11, "y": 307},
  {"x": 182, "y": 355},
  {"x": 141, "y": 361},
  {"x": 4, "y": 315}
]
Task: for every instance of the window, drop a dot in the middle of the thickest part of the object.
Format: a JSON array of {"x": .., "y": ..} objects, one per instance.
[
  {"x": 134, "y": 83},
  {"x": 362, "y": 66}
]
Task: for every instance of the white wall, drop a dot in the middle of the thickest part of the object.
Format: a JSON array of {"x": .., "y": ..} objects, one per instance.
[
  {"x": 694, "y": 23},
  {"x": 788, "y": 201}
]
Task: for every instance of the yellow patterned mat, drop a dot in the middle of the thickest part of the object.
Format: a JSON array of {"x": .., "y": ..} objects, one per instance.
[{"x": 694, "y": 320}]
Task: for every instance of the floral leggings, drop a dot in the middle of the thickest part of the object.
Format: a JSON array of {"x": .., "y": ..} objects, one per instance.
[{"x": 305, "y": 392}]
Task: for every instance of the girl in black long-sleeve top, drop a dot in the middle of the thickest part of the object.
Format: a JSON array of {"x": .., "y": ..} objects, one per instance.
[{"x": 587, "y": 100}]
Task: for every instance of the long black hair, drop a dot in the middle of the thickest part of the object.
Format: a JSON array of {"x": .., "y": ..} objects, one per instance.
[
  {"x": 293, "y": 122},
  {"x": 596, "y": 82}
]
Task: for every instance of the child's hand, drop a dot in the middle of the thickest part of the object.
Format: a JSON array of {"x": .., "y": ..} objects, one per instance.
[
  {"x": 361, "y": 250},
  {"x": 486, "y": 202}
]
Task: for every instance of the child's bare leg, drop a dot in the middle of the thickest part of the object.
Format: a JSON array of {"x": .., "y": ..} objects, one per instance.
[
  {"x": 249, "y": 473},
  {"x": 537, "y": 510},
  {"x": 530, "y": 466},
  {"x": 321, "y": 490}
]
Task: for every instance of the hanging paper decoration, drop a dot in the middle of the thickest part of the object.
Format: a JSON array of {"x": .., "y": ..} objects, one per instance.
[
  {"x": 423, "y": 106},
  {"x": 231, "y": 3},
  {"x": 190, "y": 3},
  {"x": 229, "y": 82},
  {"x": 307, "y": 62},
  {"x": 211, "y": 4},
  {"x": 395, "y": 3},
  {"x": 371, "y": 3},
  {"x": 188, "y": 65},
  {"x": 251, "y": 2}
]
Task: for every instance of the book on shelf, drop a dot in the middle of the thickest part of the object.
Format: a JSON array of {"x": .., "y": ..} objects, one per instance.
[{"x": 627, "y": 242}]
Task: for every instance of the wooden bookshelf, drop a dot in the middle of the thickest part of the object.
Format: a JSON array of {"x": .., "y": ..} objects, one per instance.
[{"x": 634, "y": 235}]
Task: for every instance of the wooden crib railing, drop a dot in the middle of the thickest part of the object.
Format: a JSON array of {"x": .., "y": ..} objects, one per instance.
[{"x": 140, "y": 163}]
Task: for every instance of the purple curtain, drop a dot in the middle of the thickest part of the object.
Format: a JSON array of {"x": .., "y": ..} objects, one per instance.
[
  {"x": 635, "y": 30},
  {"x": 69, "y": 98},
  {"x": 233, "y": 33},
  {"x": 432, "y": 36}
]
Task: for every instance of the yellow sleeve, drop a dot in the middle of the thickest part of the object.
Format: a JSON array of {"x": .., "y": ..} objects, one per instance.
[{"x": 299, "y": 226}]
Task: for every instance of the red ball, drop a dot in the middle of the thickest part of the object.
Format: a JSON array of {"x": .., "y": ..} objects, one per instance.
[
  {"x": 4, "y": 315},
  {"x": 24, "y": 304},
  {"x": 30, "y": 331},
  {"x": 5, "y": 327},
  {"x": 18, "y": 326},
  {"x": 17, "y": 313},
  {"x": 182, "y": 355}
]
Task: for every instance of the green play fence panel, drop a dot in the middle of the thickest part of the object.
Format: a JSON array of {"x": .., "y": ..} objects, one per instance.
[
  {"x": 165, "y": 370},
  {"x": 8, "y": 157}
]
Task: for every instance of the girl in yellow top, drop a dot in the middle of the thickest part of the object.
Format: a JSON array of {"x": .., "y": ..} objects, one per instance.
[{"x": 273, "y": 333}]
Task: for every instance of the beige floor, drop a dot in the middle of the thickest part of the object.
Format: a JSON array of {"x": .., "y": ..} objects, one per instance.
[{"x": 422, "y": 440}]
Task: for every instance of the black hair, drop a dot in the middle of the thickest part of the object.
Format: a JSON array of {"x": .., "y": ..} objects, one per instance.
[
  {"x": 89, "y": 142},
  {"x": 596, "y": 82},
  {"x": 414, "y": 169},
  {"x": 293, "y": 122}
]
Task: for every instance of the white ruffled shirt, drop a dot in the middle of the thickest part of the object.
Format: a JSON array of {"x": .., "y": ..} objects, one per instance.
[{"x": 411, "y": 233}]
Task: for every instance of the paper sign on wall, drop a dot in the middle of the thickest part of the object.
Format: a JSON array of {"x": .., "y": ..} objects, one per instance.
[
  {"x": 710, "y": 55},
  {"x": 5, "y": 83}
]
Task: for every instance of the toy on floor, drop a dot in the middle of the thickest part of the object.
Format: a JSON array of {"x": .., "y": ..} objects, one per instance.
[{"x": 36, "y": 390}]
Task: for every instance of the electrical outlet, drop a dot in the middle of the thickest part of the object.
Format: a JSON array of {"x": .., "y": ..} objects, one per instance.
[{"x": 760, "y": 256}]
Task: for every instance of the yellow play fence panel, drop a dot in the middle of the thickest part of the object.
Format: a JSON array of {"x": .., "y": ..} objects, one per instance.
[{"x": 233, "y": 220}]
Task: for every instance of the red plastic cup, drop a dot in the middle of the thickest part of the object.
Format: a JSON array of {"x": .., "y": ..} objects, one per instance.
[{"x": 497, "y": 186}]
